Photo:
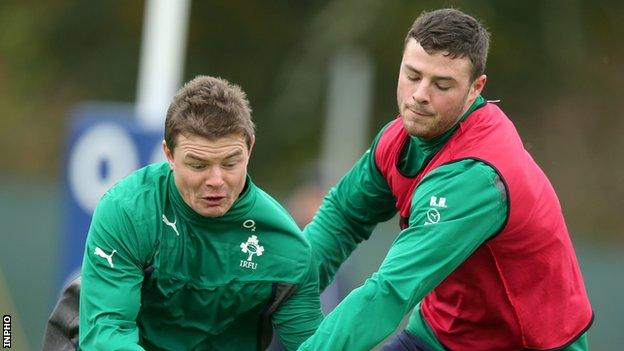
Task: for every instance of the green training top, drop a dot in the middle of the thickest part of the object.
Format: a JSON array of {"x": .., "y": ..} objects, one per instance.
[
  {"x": 158, "y": 276},
  {"x": 422, "y": 254}
]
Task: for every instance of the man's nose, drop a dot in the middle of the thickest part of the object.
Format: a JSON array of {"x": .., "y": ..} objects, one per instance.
[
  {"x": 421, "y": 93},
  {"x": 214, "y": 177}
]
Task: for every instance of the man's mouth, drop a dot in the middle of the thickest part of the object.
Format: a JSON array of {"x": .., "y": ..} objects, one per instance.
[
  {"x": 420, "y": 112},
  {"x": 213, "y": 200}
]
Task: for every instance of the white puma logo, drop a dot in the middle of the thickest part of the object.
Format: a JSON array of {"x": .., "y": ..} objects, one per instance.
[
  {"x": 172, "y": 225},
  {"x": 102, "y": 254}
]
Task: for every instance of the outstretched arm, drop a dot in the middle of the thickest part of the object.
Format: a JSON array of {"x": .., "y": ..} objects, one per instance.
[
  {"x": 437, "y": 241},
  {"x": 348, "y": 215}
]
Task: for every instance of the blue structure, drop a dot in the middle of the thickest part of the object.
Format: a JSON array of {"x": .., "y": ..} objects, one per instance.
[{"x": 105, "y": 144}]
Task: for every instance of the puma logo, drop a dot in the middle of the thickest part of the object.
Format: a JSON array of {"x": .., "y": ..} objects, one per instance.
[
  {"x": 101, "y": 253},
  {"x": 172, "y": 225}
]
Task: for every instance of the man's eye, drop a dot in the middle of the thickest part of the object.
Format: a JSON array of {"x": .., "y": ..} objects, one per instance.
[
  {"x": 197, "y": 166},
  {"x": 442, "y": 87},
  {"x": 413, "y": 78},
  {"x": 229, "y": 165}
]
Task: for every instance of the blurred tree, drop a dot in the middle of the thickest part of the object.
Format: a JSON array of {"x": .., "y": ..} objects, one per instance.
[{"x": 556, "y": 66}]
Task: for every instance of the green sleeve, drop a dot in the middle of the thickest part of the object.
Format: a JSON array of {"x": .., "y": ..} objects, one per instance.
[
  {"x": 348, "y": 215},
  {"x": 440, "y": 236},
  {"x": 579, "y": 345},
  {"x": 300, "y": 315},
  {"x": 110, "y": 291}
]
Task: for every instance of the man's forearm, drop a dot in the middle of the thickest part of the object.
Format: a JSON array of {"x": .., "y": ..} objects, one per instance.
[
  {"x": 333, "y": 237},
  {"x": 348, "y": 216}
]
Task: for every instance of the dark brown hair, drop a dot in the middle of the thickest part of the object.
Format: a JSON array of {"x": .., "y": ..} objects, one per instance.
[
  {"x": 453, "y": 32},
  {"x": 209, "y": 107}
]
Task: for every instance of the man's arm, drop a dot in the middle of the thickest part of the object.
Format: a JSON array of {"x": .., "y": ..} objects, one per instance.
[
  {"x": 438, "y": 239},
  {"x": 111, "y": 282},
  {"x": 348, "y": 215},
  {"x": 299, "y": 316}
]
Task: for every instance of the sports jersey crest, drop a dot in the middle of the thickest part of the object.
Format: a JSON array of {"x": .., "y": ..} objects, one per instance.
[{"x": 251, "y": 247}]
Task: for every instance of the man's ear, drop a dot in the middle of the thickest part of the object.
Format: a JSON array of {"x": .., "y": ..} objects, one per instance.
[
  {"x": 168, "y": 154},
  {"x": 477, "y": 86}
]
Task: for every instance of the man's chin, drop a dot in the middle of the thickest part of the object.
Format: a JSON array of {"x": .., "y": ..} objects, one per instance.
[
  {"x": 212, "y": 211},
  {"x": 414, "y": 128}
]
